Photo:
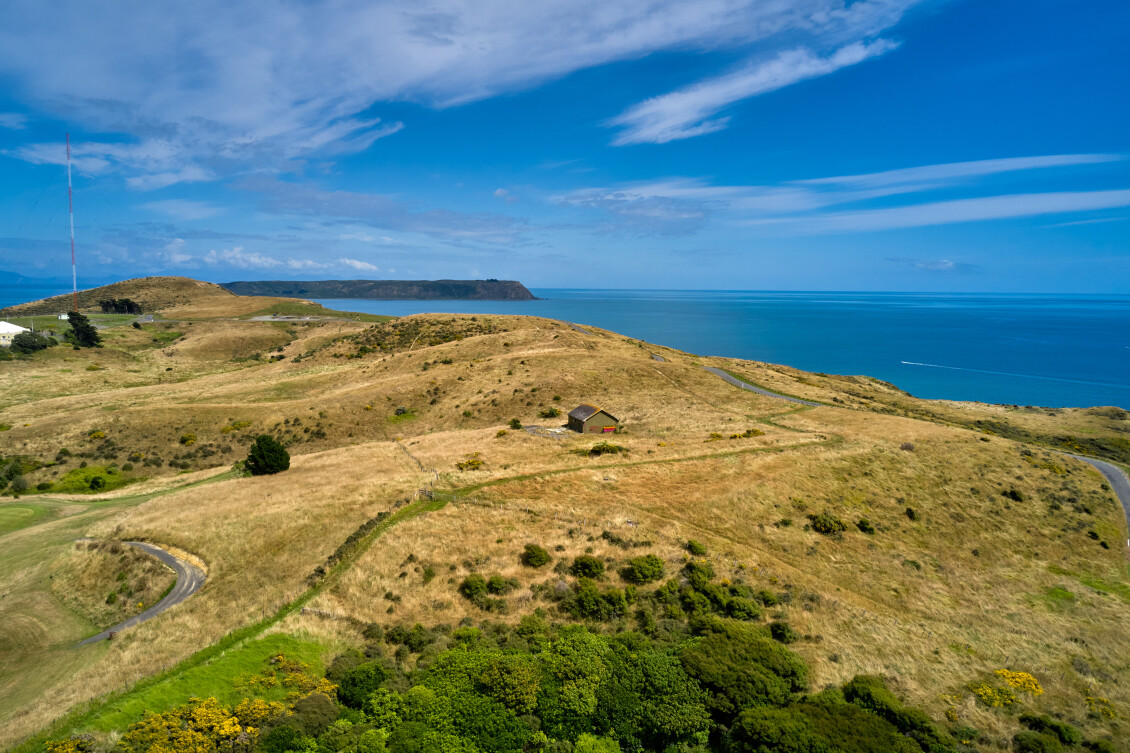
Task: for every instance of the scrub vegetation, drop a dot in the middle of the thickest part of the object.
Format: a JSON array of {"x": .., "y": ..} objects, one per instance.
[{"x": 811, "y": 576}]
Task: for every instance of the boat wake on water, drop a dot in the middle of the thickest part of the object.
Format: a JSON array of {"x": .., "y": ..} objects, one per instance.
[{"x": 1022, "y": 376}]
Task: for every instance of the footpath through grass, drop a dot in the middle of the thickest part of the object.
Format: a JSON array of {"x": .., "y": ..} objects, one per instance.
[{"x": 126, "y": 706}]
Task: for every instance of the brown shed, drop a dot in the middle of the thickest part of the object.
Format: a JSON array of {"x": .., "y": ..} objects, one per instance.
[{"x": 589, "y": 419}]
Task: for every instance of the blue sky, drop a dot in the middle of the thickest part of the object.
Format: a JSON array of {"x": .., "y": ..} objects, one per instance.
[{"x": 933, "y": 145}]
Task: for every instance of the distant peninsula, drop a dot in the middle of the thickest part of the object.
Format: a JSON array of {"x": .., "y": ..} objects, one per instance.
[{"x": 391, "y": 290}]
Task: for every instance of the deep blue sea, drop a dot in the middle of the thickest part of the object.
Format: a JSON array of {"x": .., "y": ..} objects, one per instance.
[{"x": 1050, "y": 350}]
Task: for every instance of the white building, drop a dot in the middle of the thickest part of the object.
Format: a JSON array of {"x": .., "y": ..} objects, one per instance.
[{"x": 8, "y": 331}]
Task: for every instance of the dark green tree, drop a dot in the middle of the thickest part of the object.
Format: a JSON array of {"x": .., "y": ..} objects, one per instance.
[
  {"x": 83, "y": 334},
  {"x": 267, "y": 456}
]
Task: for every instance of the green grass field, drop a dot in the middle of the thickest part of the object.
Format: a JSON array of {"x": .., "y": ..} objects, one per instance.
[
  {"x": 17, "y": 515},
  {"x": 215, "y": 679}
]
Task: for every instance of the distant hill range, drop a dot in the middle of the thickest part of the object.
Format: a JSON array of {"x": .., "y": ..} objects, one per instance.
[{"x": 392, "y": 290}]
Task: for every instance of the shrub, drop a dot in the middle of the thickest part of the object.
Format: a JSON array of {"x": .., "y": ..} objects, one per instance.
[
  {"x": 1028, "y": 741},
  {"x": 699, "y": 574},
  {"x": 97, "y": 483},
  {"x": 474, "y": 586},
  {"x": 743, "y": 609},
  {"x": 740, "y": 668},
  {"x": 499, "y": 586},
  {"x": 283, "y": 739},
  {"x": 534, "y": 556},
  {"x": 43, "y": 486},
  {"x": 1067, "y": 734},
  {"x": 641, "y": 570},
  {"x": 865, "y": 526},
  {"x": 188, "y": 439},
  {"x": 471, "y": 462},
  {"x": 695, "y": 548},
  {"x": 912, "y": 513},
  {"x": 515, "y": 424},
  {"x": 907, "y": 446},
  {"x": 783, "y": 632},
  {"x": 776, "y": 730},
  {"x": 870, "y": 692},
  {"x": 19, "y": 484},
  {"x": 605, "y": 448},
  {"x": 358, "y": 684},
  {"x": 266, "y": 456},
  {"x": 549, "y": 413},
  {"x": 827, "y": 524},
  {"x": 589, "y": 603},
  {"x": 314, "y": 713},
  {"x": 29, "y": 342},
  {"x": 587, "y": 566}
]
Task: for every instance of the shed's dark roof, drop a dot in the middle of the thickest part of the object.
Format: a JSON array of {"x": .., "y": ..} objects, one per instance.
[{"x": 585, "y": 411}]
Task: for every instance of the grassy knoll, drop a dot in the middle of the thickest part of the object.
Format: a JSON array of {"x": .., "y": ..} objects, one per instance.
[
  {"x": 295, "y": 308},
  {"x": 17, "y": 515}
]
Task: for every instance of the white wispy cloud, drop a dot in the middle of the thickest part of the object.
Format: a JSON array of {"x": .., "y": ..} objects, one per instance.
[
  {"x": 13, "y": 120},
  {"x": 224, "y": 85},
  {"x": 183, "y": 209},
  {"x": 980, "y": 209},
  {"x": 691, "y": 111},
  {"x": 816, "y": 205},
  {"x": 933, "y": 174},
  {"x": 360, "y": 266}
]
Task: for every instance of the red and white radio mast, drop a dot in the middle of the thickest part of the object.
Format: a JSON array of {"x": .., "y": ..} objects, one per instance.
[{"x": 71, "y": 211}]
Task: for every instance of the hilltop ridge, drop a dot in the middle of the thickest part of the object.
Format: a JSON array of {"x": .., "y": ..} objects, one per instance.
[{"x": 393, "y": 290}]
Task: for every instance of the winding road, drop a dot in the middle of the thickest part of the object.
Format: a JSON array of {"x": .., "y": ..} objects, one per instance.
[
  {"x": 189, "y": 580},
  {"x": 760, "y": 391},
  {"x": 1116, "y": 477}
]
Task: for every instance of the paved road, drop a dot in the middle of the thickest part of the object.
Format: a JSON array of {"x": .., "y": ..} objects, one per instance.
[
  {"x": 1117, "y": 479},
  {"x": 582, "y": 331},
  {"x": 747, "y": 386},
  {"x": 189, "y": 581}
]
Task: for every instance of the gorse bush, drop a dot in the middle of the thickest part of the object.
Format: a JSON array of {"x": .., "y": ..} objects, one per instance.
[
  {"x": 266, "y": 456},
  {"x": 826, "y": 523},
  {"x": 695, "y": 548},
  {"x": 535, "y": 556},
  {"x": 587, "y": 566},
  {"x": 641, "y": 570}
]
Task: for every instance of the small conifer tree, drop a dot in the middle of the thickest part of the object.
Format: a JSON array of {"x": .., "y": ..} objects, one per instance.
[
  {"x": 83, "y": 334},
  {"x": 266, "y": 456}
]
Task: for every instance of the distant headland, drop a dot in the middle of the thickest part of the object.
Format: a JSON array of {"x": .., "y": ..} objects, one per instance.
[{"x": 393, "y": 290}]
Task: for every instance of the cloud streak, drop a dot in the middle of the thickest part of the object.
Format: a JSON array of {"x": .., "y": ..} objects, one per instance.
[
  {"x": 220, "y": 86},
  {"x": 818, "y": 206},
  {"x": 691, "y": 111}
]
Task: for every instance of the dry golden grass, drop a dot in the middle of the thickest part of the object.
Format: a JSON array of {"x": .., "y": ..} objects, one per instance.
[{"x": 913, "y": 602}]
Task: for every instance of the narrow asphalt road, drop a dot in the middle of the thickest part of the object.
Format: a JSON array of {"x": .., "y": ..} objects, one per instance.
[
  {"x": 747, "y": 386},
  {"x": 1116, "y": 477},
  {"x": 189, "y": 581}
]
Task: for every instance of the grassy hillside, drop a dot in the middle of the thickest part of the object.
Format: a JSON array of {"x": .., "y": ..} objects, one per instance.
[{"x": 927, "y": 542}]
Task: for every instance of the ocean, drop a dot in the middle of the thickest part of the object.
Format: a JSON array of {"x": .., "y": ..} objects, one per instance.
[{"x": 1049, "y": 350}]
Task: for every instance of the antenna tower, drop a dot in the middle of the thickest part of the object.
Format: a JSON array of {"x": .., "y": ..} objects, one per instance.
[{"x": 71, "y": 212}]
